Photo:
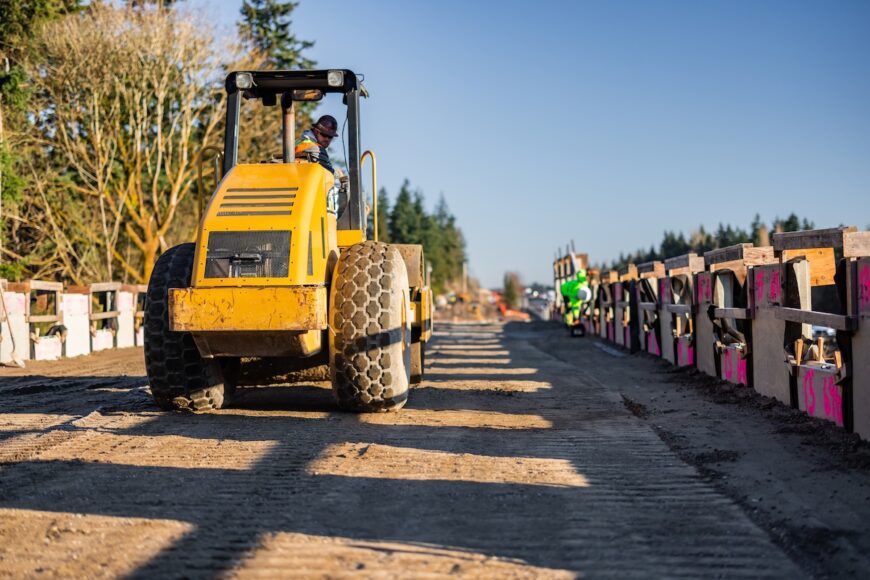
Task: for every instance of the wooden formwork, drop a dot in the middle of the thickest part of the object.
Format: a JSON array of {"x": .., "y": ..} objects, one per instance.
[
  {"x": 677, "y": 291},
  {"x": 624, "y": 289},
  {"x": 810, "y": 289},
  {"x": 606, "y": 310},
  {"x": 731, "y": 312},
  {"x": 131, "y": 308},
  {"x": 43, "y": 315},
  {"x": 591, "y": 317},
  {"x": 648, "y": 307},
  {"x": 858, "y": 302},
  {"x": 14, "y": 335},
  {"x": 103, "y": 312}
]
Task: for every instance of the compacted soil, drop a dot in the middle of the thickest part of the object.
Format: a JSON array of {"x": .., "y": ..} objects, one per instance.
[{"x": 524, "y": 453}]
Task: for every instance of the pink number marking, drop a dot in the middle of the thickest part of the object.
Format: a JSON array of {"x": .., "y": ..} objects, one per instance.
[
  {"x": 759, "y": 286},
  {"x": 864, "y": 286},
  {"x": 809, "y": 392},
  {"x": 704, "y": 292},
  {"x": 833, "y": 401},
  {"x": 774, "y": 286},
  {"x": 652, "y": 344},
  {"x": 686, "y": 354},
  {"x": 727, "y": 365}
]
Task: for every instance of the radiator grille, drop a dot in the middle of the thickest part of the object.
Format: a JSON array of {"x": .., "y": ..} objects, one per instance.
[{"x": 261, "y": 254}]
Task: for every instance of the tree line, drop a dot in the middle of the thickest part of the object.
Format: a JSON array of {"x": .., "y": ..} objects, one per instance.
[
  {"x": 104, "y": 108},
  {"x": 406, "y": 221},
  {"x": 700, "y": 240}
]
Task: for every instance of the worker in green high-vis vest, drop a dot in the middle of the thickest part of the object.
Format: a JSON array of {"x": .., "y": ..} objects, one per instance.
[{"x": 574, "y": 293}]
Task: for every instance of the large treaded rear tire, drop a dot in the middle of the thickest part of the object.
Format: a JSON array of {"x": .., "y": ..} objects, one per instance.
[
  {"x": 180, "y": 378},
  {"x": 370, "y": 342}
]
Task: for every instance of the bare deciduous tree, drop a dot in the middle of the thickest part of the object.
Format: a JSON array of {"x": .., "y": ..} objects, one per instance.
[{"x": 126, "y": 97}]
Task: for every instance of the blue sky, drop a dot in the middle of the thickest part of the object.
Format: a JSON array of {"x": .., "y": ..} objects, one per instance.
[{"x": 607, "y": 122}]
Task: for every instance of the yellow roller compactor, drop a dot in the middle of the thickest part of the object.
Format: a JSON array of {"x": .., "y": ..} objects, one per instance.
[{"x": 282, "y": 276}]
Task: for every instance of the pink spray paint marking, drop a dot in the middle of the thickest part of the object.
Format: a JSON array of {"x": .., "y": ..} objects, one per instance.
[
  {"x": 833, "y": 401},
  {"x": 742, "y": 378},
  {"x": 774, "y": 287},
  {"x": 686, "y": 354},
  {"x": 652, "y": 345},
  {"x": 809, "y": 393},
  {"x": 759, "y": 287},
  {"x": 704, "y": 292},
  {"x": 727, "y": 365},
  {"x": 864, "y": 286}
]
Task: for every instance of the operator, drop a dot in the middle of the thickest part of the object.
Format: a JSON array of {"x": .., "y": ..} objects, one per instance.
[{"x": 313, "y": 143}]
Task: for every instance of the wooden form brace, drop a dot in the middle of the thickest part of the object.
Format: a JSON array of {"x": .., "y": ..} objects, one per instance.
[
  {"x": 102, "y": 312},
  {"x": 731, "y": 314},
  {"x": 607, "y": 322},
  {"x": 648, "y": 307},
  {"x": 590, "y": 313},
  {"x": 678, "y": 305},
  {"x": 43, "y": 316}
]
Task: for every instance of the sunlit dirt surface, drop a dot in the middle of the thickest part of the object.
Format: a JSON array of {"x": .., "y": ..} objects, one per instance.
[
  {"x": 506, "y": 462},
  {"x": 48, "y": 544}
]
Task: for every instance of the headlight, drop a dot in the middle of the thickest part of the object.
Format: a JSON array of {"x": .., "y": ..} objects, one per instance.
[
  {"x": 335, "y": 78},
  {"x": 244, "y": 80}
]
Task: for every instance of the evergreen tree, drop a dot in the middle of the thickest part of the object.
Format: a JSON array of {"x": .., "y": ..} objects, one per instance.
[
  {"x": 790, "y": 224},
  {"x": 266, "y": 24},
  {"x": 404, "y": 220},
  {"x": 673, "y": 245},
  {"x": 383, "y": 219},
  {"x": 442, "y": 240}
]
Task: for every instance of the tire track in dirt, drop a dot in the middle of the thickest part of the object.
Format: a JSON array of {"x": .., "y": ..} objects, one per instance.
[{"x": 515, "y": 469}]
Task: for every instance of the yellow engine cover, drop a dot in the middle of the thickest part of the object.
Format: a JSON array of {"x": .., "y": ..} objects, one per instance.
[{"x": 243, "y": 236}]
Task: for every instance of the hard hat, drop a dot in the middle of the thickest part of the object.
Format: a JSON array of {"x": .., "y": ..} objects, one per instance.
[{"x": 327, "y": 125}]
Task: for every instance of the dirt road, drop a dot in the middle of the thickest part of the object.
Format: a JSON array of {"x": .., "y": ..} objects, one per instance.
[{"x": 523, "y": 454}]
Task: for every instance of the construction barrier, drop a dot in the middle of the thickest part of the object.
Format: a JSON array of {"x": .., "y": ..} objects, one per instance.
[
  {"x": 76, "y": 320},
  {"x": 607, "y": 325},
  {"x": 14, "y": 335},
  {"x": 131, "y": 312},
  {"x": 591, "y": 317},
  {"x": 43, "y": 318},
  {"x": 814, "y": 304},
  {"x": 652, "y": 317},
  {"x": 623, "y": 290},
  {"x": 791, "y": 320},
  {"x": 732, "y": 314},
  {"x": 677, "y": 295}
]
